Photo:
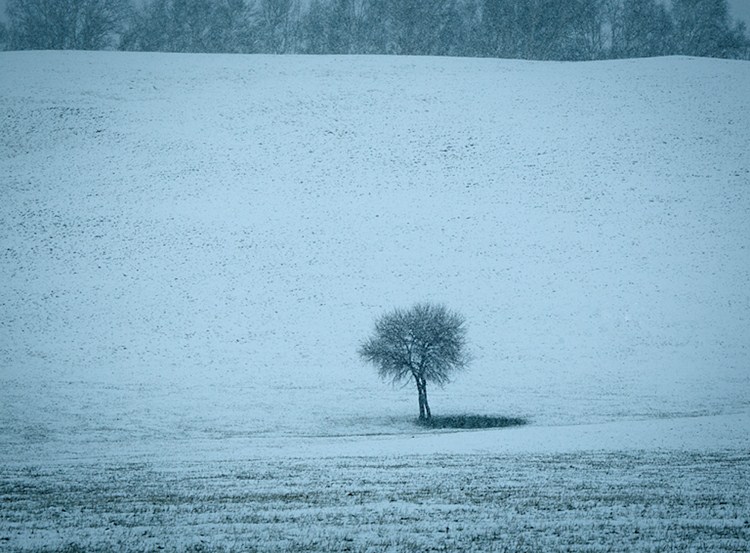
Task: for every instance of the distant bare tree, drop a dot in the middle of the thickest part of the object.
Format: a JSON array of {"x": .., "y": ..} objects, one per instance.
[
  {"x": 3, "y": 36},
  {"x": 704, "y": 28},
  {"x": 585, "y": 36},
  {"x": 527, "y": 29},
  {"x": 189, "y": 26},
  {"x": 333, "y": 27},
  {"x": 279, "y": 20},
  {"x": 641, "y": 28},
  {"x": 426, "y": 343},
  {"x": 65, "y": 24}
]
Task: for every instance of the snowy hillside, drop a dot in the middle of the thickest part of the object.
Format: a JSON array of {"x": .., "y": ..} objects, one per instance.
[{"x": 195, "y": 245}]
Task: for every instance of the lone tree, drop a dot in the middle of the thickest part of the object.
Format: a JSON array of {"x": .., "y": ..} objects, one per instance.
[{"x": 426, "y": 342}]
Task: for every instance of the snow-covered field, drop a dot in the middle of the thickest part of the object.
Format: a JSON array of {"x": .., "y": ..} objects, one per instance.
[{"x": 193, "y": 246}]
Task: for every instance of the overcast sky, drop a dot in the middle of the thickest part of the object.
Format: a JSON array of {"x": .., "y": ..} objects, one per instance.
[{"x": 740, "y": 9}]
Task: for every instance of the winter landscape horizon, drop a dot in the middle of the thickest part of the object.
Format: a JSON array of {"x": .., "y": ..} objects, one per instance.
[{"x": 195, "y": 246}]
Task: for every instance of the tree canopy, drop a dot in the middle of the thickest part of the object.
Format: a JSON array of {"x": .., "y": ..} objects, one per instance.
[{"x": 528, "y": 29}]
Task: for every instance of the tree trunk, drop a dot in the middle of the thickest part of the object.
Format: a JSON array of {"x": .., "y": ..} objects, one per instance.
[
  {"x": 424, "y": 407},
  {"x": 420, "y": 394},
  {"x": 428, "y": 414}
]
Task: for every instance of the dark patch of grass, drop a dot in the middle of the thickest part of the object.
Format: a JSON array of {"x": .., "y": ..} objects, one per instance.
[{"x": 469, "y": 422}]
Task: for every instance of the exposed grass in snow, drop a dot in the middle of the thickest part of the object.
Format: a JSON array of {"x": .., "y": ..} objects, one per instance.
[{"x": 644, "y": 501}]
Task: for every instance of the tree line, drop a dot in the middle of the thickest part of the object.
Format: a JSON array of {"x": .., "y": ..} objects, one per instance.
[{"x": 522, "y": 29}]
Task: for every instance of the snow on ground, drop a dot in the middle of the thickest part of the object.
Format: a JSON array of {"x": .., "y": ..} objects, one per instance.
[
  {"x": 193, "y": 246},
  {"x": 593, "y": 502}
]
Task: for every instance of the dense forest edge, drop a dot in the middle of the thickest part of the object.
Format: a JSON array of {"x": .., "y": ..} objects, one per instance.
[{"x": 519, "y": 29}]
